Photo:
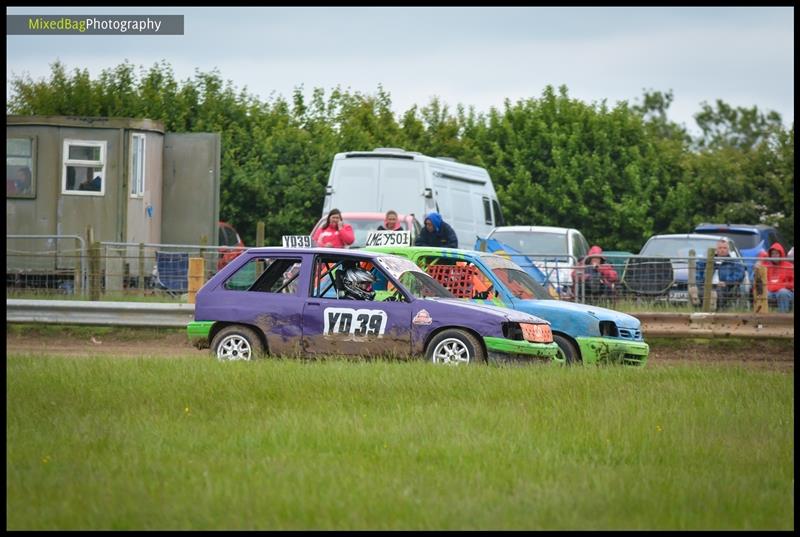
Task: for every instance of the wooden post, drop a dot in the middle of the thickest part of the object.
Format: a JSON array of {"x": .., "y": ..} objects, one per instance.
[
  {"x": 197, "y": 271},
  {"x": 260, "y": 234},
  {"x": 94, "y": 271},
  {"x": 760, "y": 303},
  {"x": 141, "y": 267},
  {"x": 88, "y": 276},
  {"x": 707, "y": 285},
  {"x": 691, "y": 280},
  {"x": 260, "y": 227},
  {"x": 77, "y": 279}
]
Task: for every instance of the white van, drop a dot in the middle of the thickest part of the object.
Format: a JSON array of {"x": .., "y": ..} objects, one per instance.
[{"x": 412, "y": 183}]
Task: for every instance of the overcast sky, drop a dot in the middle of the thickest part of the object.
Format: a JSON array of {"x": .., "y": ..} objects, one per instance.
[{"x": 470, "y": 55}]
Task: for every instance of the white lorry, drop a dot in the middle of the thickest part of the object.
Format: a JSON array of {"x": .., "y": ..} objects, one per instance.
[{"x": 412, "y": 183}]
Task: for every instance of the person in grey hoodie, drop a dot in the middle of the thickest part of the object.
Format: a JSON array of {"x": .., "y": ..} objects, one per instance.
[{"x": 437, "y": 232}]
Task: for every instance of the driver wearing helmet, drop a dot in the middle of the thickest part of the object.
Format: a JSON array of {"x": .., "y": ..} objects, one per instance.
[{"x": 357, "y": 285}]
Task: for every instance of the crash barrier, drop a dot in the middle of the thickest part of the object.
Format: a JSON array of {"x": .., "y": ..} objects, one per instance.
[
  {"x": 144, "y": 314},
  {"x": 101, "y": 313},
  {"x": 42, "y": 265},
  {"x": 768, "y": 325}
]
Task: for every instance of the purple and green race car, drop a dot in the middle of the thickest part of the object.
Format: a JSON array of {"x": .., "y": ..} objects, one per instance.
[{"x": 322, "y": 301}]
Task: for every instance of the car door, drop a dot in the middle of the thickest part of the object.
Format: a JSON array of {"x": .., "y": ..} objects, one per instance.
[
  {"x": 339, "y": 326},
  {"x": 266, "y": 293}
]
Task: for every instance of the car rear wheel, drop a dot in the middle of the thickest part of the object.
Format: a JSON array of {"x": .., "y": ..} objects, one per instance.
[
  {"x": 236, "y": 343},
  {"x": 568, "y": 353},
  {"x": 455, "y": 347}
]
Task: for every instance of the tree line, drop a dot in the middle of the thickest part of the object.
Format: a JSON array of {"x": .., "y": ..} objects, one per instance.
[{"x": 619, "y": 174}]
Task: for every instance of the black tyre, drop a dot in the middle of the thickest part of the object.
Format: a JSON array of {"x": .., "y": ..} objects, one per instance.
[
  {"x": 568, "y": 353},
  {"x": 236, "y": 343},
  {"x": 455, "y": 347}
]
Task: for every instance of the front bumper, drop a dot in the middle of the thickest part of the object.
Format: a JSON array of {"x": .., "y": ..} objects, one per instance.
[
  {"x": 198, "y": 332},
  {"x": 511, "y": 350},
  {"x": 601, "y": 350}
]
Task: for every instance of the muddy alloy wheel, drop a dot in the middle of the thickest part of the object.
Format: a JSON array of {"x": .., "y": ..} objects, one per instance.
[
  {"x": 236, "y": 343},
  {"x": 455, "y": 347}
]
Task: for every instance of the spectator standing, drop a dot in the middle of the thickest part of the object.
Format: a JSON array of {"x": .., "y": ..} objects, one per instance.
[
  {"x": 437, "y": 232},
  {"x": 390, "y": 222},
  {"x": 335, "y": 233}
]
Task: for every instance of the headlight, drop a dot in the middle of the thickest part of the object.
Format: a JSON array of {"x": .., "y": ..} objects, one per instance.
[
  {"x": 608, "y": 329},
  {"x": 537, "y": 333}
]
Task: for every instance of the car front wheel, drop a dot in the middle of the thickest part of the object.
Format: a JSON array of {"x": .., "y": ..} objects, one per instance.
[
  {"x": 455, "y": 347},
  {"x": 568, "y": 353},
  {"x": 236, "y": 343}
]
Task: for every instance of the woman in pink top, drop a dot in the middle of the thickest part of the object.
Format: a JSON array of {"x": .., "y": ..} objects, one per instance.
[{"x": 335, "y": 233}]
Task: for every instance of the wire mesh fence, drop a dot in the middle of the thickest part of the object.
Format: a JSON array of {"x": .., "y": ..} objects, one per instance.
[
  {"x": 39, "y": 266},
  {"x": 682, "y": 283}
]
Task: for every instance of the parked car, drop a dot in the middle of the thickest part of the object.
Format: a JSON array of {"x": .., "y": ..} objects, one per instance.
[
  {"x": 553, "y": 251},
  {"x": 617, "y": 259},
  {"x": 232, "y": 244},
  {"x": 749, "y": 239},
  {"x": 677, "y": 247},
  {"x": 363, "y": 223},
  {"x": 587, "y": 334},
  {"x": 308, "y": 301}
]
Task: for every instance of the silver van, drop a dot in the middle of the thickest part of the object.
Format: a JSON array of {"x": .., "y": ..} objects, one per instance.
[{"x": 412, "y": 183}]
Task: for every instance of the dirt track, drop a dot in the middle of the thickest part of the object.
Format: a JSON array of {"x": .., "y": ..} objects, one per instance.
[{"x": 757, "y": 353}]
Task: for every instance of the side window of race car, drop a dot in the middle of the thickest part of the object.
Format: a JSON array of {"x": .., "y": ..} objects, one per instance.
[
  {"x": 328, "y": 272},
  {"x": 266, "y": 275}
]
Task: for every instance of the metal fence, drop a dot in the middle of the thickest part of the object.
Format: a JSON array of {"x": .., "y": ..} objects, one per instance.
[
  {"x": 671, "y": 282},
  {"x": 53, "y": 266},
  {"x": 43, "y": 266}
]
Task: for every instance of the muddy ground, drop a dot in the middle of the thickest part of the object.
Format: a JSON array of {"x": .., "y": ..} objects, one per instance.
[{"x": 774, "y": 354}]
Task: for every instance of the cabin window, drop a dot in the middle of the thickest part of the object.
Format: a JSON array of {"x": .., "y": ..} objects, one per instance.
[
  {"x": 84, "y": 168},
  {"x": 137, "y": 165},
  {"x": 487, "y": 211},
  {"x": 498, "y": 214},
  {"x": 19, "y": 168}
]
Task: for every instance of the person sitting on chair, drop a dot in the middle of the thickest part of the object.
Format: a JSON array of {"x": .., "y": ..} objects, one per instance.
[
  {"x": 780, "y": 278},
  {"x": 727, "y": 279},
  {"x": 598, "y": 277}
]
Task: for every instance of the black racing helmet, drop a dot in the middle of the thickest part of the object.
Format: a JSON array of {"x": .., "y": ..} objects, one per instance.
[{"x": 357, "y": 284}]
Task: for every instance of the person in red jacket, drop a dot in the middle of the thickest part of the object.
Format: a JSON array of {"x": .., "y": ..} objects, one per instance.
[
  {"x": 335, "y": 233},
  {"x": 598, "y": 276},
  {"x": 780, "y": 278}
]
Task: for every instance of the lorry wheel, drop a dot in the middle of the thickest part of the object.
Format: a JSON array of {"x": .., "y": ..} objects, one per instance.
[
  {"x": 568, "y": 353},
  {"x": 455, "y": 347},
  {"x": 236, "y": 343}
]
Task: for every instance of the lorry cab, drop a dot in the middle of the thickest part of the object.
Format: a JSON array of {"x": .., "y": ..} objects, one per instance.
[{"x": 412, "y": 183}]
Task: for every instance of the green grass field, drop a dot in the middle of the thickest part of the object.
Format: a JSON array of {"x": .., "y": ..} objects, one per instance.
[{"x": 189, "y": 443}]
